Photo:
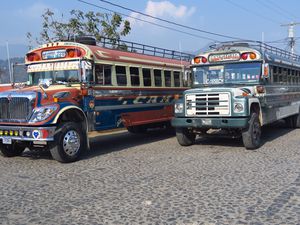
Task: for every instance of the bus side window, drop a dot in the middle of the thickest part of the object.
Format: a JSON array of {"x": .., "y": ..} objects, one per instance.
[
  {"x": 147, "y": 77},
  {"x": 121, "y": 75},
  {"x": 103, "y": 74},
  {"x": 134, "y": 76},
  {"x": 167, "y": 78},
  {"x": 176, "y": 79},
  {"x": 107, "y": 75},
  {"x": 157, "y": 78}
]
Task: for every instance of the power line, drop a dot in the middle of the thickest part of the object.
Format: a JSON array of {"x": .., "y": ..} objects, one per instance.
[
  {"x": 159, "y": 25},
  {"x": 282, "y": 9},
  {"x": 170, "y": 22},
  {"x": 268, "y": 6},
  {"x": 284, "y": 40},
  {"x": 291, "y": 35},
  {"x": 253, "y": 12}
]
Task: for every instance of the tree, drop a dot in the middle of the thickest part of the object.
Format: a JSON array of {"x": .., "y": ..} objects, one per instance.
[{"x": 90, "y": 23}]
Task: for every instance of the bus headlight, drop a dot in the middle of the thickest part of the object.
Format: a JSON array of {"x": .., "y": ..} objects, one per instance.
[
  {"x": 178, "y": 108},
  {"x": 42, "y": 113},
  {"x": 238, "y": 107}
]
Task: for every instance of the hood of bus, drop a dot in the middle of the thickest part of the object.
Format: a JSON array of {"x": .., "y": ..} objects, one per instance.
[
  {"x": 234, "y": 90},
  {"x": 54, "y": 93}
]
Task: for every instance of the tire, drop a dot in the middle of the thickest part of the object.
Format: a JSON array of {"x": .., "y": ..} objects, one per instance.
[
  {"x": 69, "y": 143},
  {"x": 252, "y": 136},
  {"x": 293, "y": 121},
  {"x": 137, "y": 129},
  {"x": 297, "y": 120},
  {"x": 11, "y": 150},
  {"x": 185, "y": 137}
]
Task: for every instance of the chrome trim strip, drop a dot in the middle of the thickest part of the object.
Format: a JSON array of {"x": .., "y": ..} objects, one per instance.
[
  {"x": 131, "y": 106},
  {"x": 26, "y": 138}
]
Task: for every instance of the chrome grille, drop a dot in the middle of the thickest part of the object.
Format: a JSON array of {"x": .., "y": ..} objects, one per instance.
[
  {"x": 15, "y": 108},
  {"x": 208, "y": 104}
]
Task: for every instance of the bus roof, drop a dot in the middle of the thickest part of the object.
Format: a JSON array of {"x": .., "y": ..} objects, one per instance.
[
  {"x": 127, "y": 52},
  {"x": 263, "y": 51}
]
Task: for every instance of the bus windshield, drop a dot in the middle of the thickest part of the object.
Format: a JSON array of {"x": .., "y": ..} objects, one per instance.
[
  {"x": 239, "y": 73},
  {"x": 58, "y": 72}
]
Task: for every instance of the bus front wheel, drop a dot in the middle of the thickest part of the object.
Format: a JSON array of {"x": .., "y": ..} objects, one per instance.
[
  {"x": 12, "y": 150},
  {"x": 252, "y": 135},
  {"x": 185, "y": 137},
  {"x": 69, "y": 142}
]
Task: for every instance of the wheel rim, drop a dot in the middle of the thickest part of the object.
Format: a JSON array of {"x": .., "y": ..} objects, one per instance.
[
  {"x": 256, "y": 132},
  {"x": 71, "y": 142}
]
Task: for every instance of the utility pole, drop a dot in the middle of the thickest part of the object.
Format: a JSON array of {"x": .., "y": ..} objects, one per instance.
[{"x": 291, "y": 35}]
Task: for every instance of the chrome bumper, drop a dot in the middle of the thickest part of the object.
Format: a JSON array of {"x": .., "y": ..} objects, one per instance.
[{"x": 8, "y": 133}]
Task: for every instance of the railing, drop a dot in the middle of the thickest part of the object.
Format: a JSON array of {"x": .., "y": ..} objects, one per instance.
[
  {"x": 263, "y": 47},
  {"x": 143, "y": 49}
]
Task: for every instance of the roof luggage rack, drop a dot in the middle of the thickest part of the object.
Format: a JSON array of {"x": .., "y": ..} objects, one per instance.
[
  {"x": 258, "y": 45},
  {"x": 144, "y": 49},
  {"x": 128, "y": 46}
]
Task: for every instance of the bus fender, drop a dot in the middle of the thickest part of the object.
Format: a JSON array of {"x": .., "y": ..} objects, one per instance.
[
  {"x": 254, "y": 104},
  {"x": 79, "y": 110}
]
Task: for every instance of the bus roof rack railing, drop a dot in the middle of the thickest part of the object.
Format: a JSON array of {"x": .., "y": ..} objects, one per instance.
[
  {"x": 143, "y": 49},
  {"x": 261, "y": 46}
]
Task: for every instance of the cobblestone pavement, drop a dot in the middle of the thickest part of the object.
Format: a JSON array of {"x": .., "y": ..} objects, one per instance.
[{"x": 150, "y": 179}]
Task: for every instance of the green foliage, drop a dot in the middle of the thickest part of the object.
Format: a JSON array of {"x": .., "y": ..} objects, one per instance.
[{"x": 80, "y": 23}]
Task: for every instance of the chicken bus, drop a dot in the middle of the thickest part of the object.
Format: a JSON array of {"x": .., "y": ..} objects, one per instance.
[
  {"x": 76, "y": 87},
  {"x": 238, "y": 87}
]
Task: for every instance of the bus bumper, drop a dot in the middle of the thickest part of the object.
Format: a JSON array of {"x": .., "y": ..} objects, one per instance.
[
  {"x": 215, "y": 123},
  {"x": 12, "y": 133}
]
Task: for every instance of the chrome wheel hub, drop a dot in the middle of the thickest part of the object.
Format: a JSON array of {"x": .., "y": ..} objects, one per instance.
[{"x": 71, "y": 142}]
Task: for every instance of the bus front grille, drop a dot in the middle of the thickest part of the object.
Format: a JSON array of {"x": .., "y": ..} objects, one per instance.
[
  {"x": 208, "y": 104},
  {"x": 15, "y": 109}
]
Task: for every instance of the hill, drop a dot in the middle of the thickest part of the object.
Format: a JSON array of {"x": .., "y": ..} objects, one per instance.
[{"x": 19, "y": 71}]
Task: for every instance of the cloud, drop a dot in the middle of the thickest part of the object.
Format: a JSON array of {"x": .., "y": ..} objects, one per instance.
[
  {"x": 166, "y": 8},
  {"x": 163, "y": 9}
]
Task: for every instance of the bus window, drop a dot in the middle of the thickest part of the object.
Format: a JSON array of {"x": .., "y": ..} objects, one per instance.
[
  {"x": 167, "y": 78},
  {"x": 157, "y": 78},
  {"x": 147, "y": 77},
  {"x": 176, "y": 79},
  {"x": 134, "y": 76},
  {"x": 103, "y": 74},
  {"x": 121, "y": 75}
]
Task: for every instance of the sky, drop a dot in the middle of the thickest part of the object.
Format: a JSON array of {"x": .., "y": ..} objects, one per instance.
[{"x": 247, "y": 19}]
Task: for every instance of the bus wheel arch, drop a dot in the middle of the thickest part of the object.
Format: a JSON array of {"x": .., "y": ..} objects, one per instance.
[{"x": 70, "y": 138}]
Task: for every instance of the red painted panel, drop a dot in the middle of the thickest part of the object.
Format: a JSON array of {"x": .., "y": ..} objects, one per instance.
[{"x": 147, "y": 117}]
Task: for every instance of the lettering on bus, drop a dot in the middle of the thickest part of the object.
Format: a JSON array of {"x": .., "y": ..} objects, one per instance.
[
  {"x": 224, "y": 57},
  {"x": 54, "y": 54}
]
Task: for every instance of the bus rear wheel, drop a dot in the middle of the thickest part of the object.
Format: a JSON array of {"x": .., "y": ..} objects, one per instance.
[
  {"x": 137, "y": 129},
  {"x": 69, "y": 143},
  {"x": 291, "y": 121},
  {"x": 252, "y": 136},
  {"x": 185, "y": 136}
]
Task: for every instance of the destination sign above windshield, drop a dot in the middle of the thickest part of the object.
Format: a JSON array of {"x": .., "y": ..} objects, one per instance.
[
  {"x": 233, "y": 56},
  {"x": 54, "y": 54}
]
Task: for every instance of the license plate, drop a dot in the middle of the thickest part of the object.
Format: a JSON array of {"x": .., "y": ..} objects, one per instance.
[
  {"x": 206, "y": 121},
  {"x": 6, "y": 140}
]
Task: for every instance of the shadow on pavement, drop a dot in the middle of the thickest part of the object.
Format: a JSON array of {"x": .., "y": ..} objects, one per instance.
[
  {"x": 112, "y": 142},
  {"x": 121, "y": 141},
  {"x": 269, "y": 133}
]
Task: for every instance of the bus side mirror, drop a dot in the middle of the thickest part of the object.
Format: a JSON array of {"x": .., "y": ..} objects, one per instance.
[{"x": 265, "y": 71}]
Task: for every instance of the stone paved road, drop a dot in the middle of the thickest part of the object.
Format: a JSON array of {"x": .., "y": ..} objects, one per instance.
[{"x": 150, "y": 179}]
